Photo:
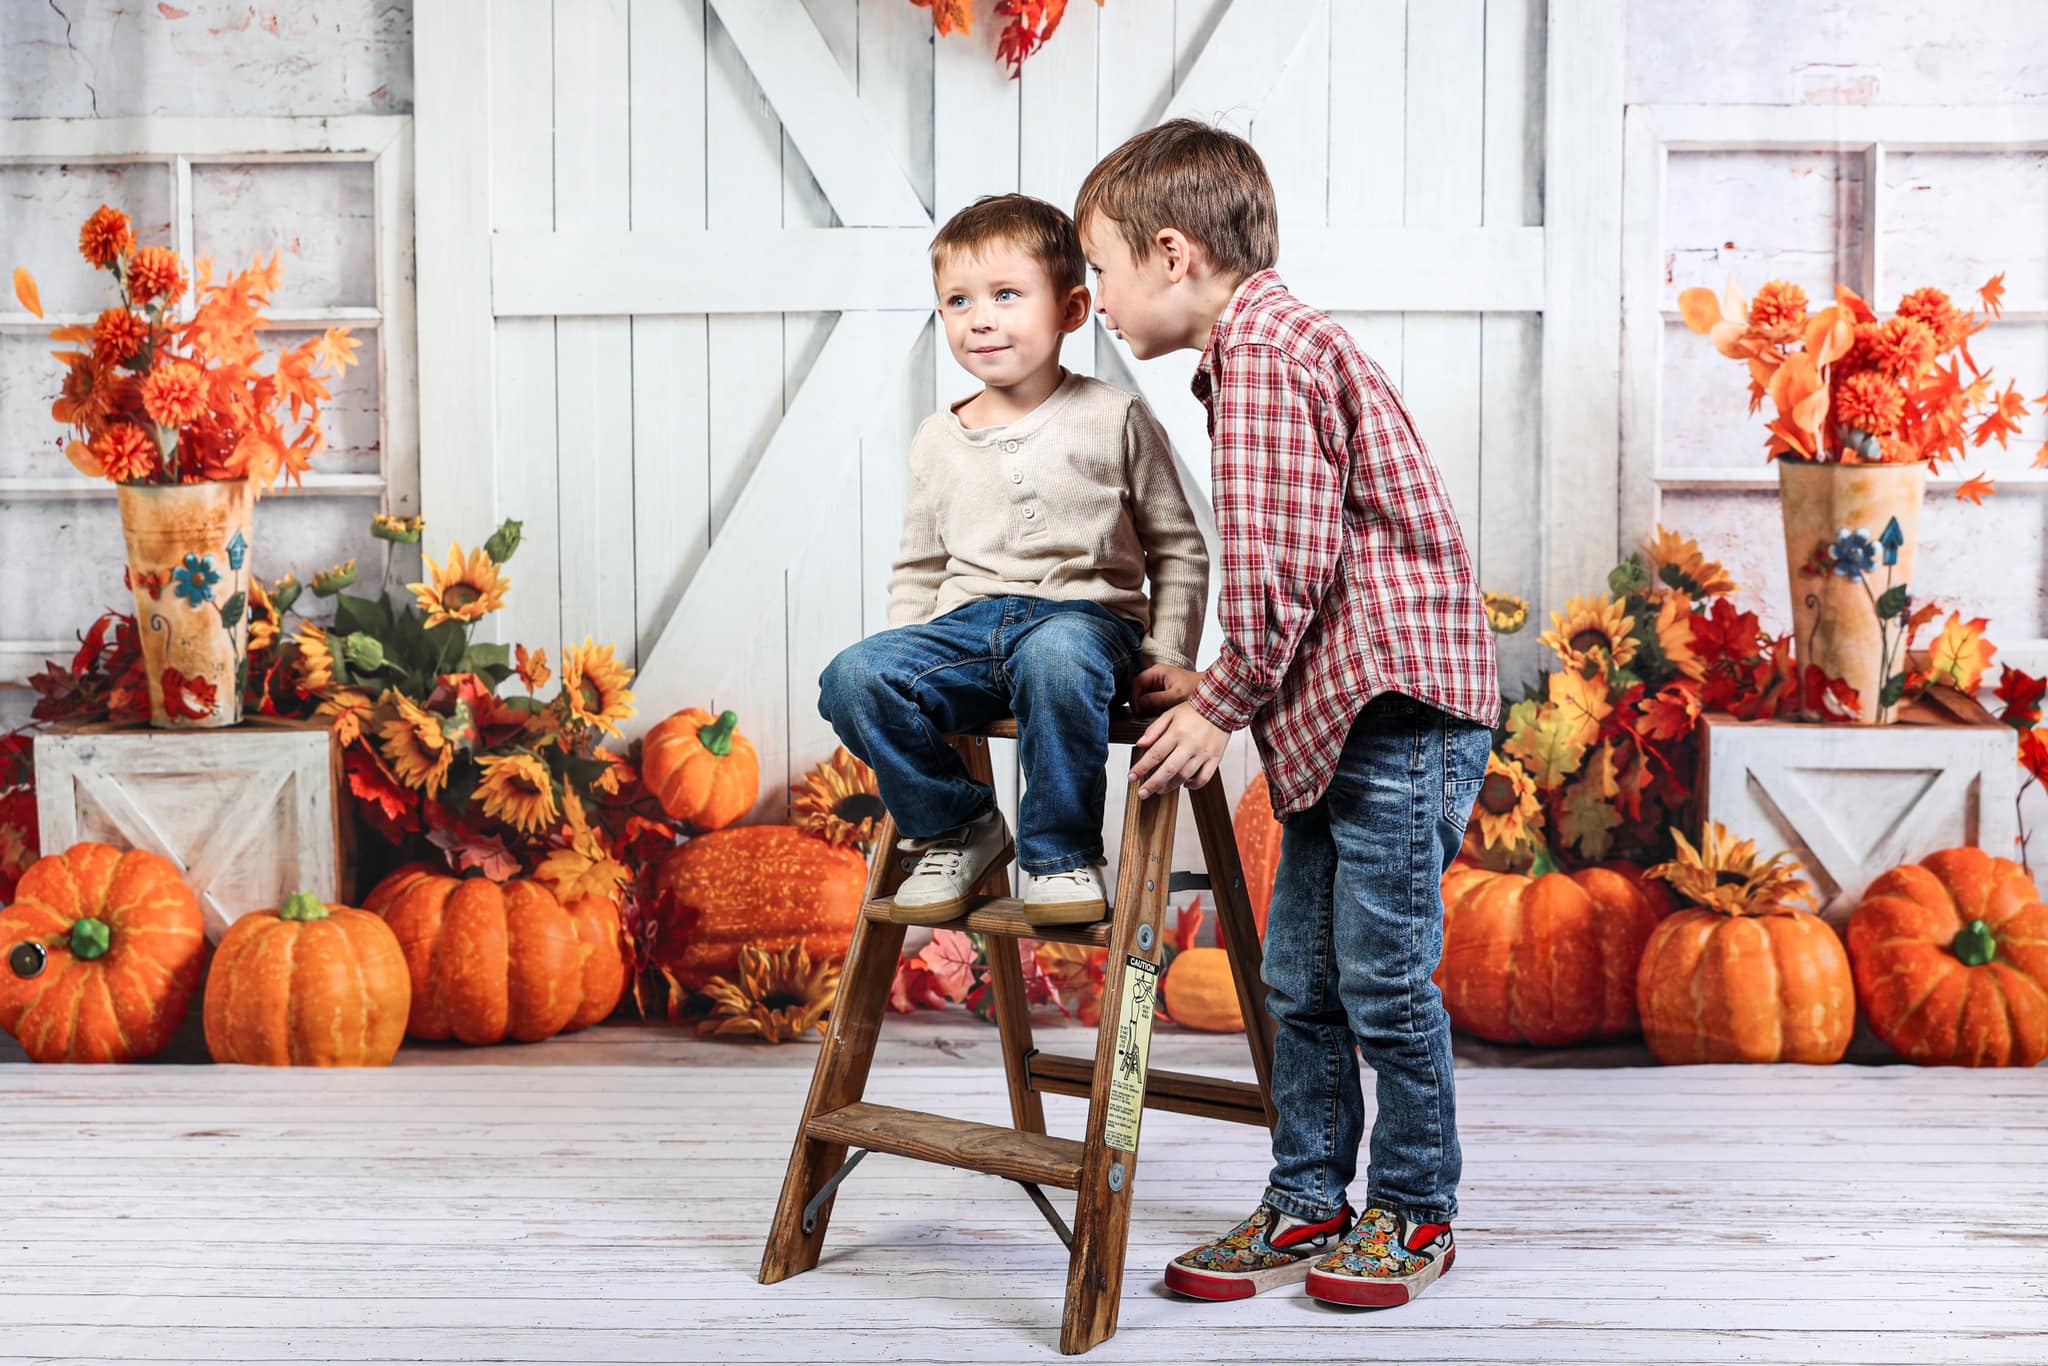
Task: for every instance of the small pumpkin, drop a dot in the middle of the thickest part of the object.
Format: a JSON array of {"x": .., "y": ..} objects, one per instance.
[
  {"x": 769, "y": 886},
  {"x": 1548, "y": 960},
  {"x": 491, "y": 961},
  {"x": 1747, "y": 973},
  {"x": 1201, "y": 993},
  {"x": 701, "y": 769},
  {"x": 104, "y": 950},
  {"x": 1950, "y": 957},
  {"x": 1258, "y": 847},
  {"x": 307, "y": 985}
]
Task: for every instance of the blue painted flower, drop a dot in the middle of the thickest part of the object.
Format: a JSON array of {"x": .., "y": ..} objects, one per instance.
[
  {"x": 1854, "y": 554},
  {"x": 195, "y": 579}
]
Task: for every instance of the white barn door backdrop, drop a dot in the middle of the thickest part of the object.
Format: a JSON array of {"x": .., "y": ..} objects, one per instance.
[{"x": 675, "y": 313}]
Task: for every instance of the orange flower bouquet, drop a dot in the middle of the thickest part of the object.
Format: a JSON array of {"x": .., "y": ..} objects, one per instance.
[
  {"x": 1863, "y": 409},
  {"x": 174, "y": 411}
]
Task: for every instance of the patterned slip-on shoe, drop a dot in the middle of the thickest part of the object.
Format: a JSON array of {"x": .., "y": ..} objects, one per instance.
[
  {"x": 1385, "y": 1260},
  {"x": 1265, "y": 1250}
]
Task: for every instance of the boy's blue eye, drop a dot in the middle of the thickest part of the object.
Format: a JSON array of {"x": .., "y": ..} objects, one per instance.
[
  {"x": 956, "y": 301},
  {"x": 1007, "y": 294}
]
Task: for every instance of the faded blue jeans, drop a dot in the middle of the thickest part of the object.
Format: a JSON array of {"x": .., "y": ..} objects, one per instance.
[
  {"x": 1356, "y": 930},
  {"x": 1057, "y": 666}
]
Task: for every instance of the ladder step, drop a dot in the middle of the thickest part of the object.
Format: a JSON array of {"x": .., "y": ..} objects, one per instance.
[
  {"x": 1005, "y": 915},
  {"x": 1181, "y": 1092},
  {"x": 990, "y": 1148}
]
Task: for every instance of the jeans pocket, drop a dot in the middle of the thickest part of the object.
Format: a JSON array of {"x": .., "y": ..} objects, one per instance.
[{"x": 1460, "y": 796}]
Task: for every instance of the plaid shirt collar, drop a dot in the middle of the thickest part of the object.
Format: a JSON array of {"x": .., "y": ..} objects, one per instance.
[{"x": 1249, "y": 291}]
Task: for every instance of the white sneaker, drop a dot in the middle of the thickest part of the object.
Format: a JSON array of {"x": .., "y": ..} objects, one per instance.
[
  {"x": 949, "y": 868},
  {"x": 1075, "y": 897}
]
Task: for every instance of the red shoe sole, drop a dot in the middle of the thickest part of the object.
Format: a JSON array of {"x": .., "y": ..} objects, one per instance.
[
  {"x": 1367, "y": 1294},
  {"x": 1202, "y": 1286}
]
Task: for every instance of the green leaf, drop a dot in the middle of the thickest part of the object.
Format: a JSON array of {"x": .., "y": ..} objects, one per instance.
[
  {"x": 532, "y": 706},
  {"x": 445, "y": 644},
  {"x": 1628, "y": 577},
  {"x": 1893, "y": 603},
  {"x": 585, "y": 772},
  {"x": 353, "y": 614},
  {"x": 1894, "y": 689},
  {"x": 486, "y": 655},
  {"x": 231, "y": 610},
  {"x": 504, "y": 541}
]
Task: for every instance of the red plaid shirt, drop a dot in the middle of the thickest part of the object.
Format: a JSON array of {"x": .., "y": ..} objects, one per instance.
[{"x": 1344, "y": 572}]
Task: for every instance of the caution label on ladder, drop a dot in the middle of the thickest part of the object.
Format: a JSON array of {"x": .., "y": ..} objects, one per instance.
[{"x": 1133, "y": 1048}]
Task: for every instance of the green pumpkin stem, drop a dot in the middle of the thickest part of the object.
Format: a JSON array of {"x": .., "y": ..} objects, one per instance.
[
  {"x": 1975, "y": 944},
  {"x": 1544, "y": 863},
  {"x": 302, "y": 906},
  {"x": 91, "y": 939},
  {"x": 717, "y": 737}
]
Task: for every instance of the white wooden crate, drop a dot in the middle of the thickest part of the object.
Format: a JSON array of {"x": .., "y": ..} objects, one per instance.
[
  {"x": 1853, "y": 802},
  {"x": 248, "y": 814}
]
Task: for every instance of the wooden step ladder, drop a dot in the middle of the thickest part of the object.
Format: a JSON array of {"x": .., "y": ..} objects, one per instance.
[{"x": 1102, "y": 1165}]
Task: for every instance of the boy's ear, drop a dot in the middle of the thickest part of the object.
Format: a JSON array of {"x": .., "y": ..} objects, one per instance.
[
  {"x": 1074, "y": 316},
  {"x": 1177, "y": 251}
]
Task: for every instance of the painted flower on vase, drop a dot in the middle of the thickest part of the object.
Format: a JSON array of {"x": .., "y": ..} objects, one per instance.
[
  {"x": 195, "y": 578},
  {"x": 1853, "y": 554}
]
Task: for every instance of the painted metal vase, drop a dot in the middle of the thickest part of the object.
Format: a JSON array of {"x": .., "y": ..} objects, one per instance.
[
  {"x": 1850, "y": 536},
  {"x": 188, "y": 564}
]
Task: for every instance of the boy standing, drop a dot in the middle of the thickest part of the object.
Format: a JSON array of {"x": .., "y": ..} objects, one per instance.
[
  {"x": 1357, "y": 649},
  {"x": 1039, "y": 509}
]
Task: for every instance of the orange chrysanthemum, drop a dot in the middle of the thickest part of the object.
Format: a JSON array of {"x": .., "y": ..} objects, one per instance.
[
  {"x": 105, "y": 236},
  {"x": 89, "y": 393},
  {"x": 175, "y": 393},
  {"x": 126, "y": 453},
  {"x": 1870, "y": 402},
  {"x": 156, "y": 272},
  {"x": 1779, "y": 311},
  {"x": 118, "y": 336},
  {"x": 1942, "y": 317},
  {"x": 1903, "y": 348}
]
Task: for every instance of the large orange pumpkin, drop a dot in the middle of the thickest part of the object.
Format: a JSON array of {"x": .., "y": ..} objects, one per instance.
[
  {"x": 307, "y": 985},
  {"x": 701, "y": 769},
  {"x": 103, "y": 952},
  {"x": 1548, "y": 960},
  {"x": 1951, "y": 961},
  {"x": 492, "y": 961},
  {"x": 1201, "y": 993},
  {"x": 767, "y": 885},
  {"x": 1765, "y": 984},
  {"x": 1258, "y": 847}
]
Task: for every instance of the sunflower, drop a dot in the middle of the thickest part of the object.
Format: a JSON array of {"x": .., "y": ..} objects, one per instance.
[
  {"x": 420, "y": 755},
  {"x": 1592, "y": 627},
  {"x": 778, "y": 997},
  {"x": 154, "y": 272},
  {"x": 262, "y": 618},
  {"x": 1677, "y": 562},
  {"x": 316, "y": 659},
  {"x": 1674, "y": 636},
  {"x": 838, "y": 802},
  {"x": 118, "y": 336},
  {"x": 105, "y": 236},
  {"x": 1509, "y": 810},
  {"x": 1779, "y": 311},
  {"x": 471, "y": 589},
  {"x": 1722, "y": 875},
  {"x": 518, "y": 790},
  {"x": 126, "y": 453},
  {"x": 346, "y": 710},
  {"x": 89, "y": 394},
  {"x": 175, "y": 393},
  {"x": 1870, "y": 401},
  {"x": 594, "y": 686},
  {"x": 1505, "y": 612}
]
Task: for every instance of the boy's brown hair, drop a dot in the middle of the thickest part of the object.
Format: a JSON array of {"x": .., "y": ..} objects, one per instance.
[
  {"x": 1043, "y": 230},
  {"x": 1187, "y": 175}
]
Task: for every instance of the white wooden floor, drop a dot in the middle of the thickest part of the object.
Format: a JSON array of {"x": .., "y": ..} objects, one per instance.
[{"x": 602, "y": 1199}]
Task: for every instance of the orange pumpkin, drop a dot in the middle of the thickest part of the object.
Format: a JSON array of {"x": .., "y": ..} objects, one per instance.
[
  {"x": 1764, "y": 984},
  {"x": 1548, "y": 960},
  {"x": 1951, "y": 961},
  {"x": 701, "y": 769},
  {"x": 492, "y": 961},
  {"x": 307, "y": 985},
  {"x": 104, "y": 950},
  {"x": 1258, "y": 848},
  {"x": 1201, "y": 993},
  {"x": 767, "y": 885}
]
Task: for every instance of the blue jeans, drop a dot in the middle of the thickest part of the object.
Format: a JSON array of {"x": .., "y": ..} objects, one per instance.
[
  {"x": 1057, "y": 666},
  {"x": 1356, "y": 930}
]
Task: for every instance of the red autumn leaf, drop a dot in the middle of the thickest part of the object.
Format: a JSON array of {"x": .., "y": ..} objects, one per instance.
[
  {"x": 2034, "y": 754},
  {"x": 1672, "y": 713},
  {"x": 1188, "y": 926},
  {"x": 1976, "y": 490},
  {"x": 391, "y": 808},
  {"x": 1832, "y": 698},
  {"x": 1723, "y": 633},
  {"x": 2021, "y": 693}
]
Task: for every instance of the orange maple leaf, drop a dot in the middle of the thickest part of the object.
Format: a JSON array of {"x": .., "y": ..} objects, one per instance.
[
  {"x": 1993, "y": 295},
  {"x": 337, "y": 349},
  {"x": 1960, "y": 654},
  {"x": 1977, "y": 489},
  {"x": 2004, "y": 420}
]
